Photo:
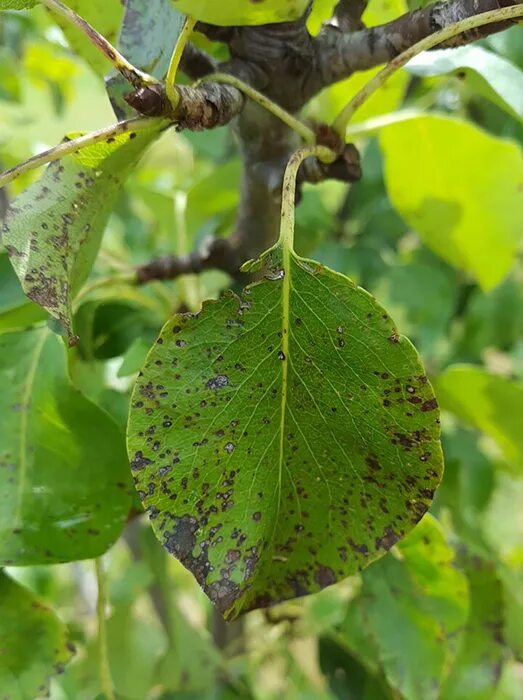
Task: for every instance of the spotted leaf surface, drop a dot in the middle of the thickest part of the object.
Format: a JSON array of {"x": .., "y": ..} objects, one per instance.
[
  {"x": 238, "y": 12},
  {"x": 64, "y": 475},
  {"x": 34, "y": 643},
  {"x": 283, "y": 439},
  {"x": 52, "y": 231}
]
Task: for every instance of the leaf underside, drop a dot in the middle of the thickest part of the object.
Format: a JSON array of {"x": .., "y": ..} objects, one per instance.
[{"x": 283, "y": 439}]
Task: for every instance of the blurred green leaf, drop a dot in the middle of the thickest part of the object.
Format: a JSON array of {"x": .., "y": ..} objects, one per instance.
[
  {"x": 479, "y": 662},
  {"x": 437, "y": 179},
  {"x": 347, "y": 677},
  {"x": 491, "y": 403},
  {"x": 17, "y": 4},
  {"x": 414, "y": 606},
  {"x": 107, "y": 328},
  {"x": 240, "y": 12},
  {"x": 52, "y": 231},
  {"x": 34, "y": 643},
  {"x": 483, "y": 71},
  {"x": 105, "y": 16},
  {"x": 65, "y": 496}
]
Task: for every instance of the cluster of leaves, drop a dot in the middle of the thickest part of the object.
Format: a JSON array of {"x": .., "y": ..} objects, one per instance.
[{"x": 433, "y": 231}]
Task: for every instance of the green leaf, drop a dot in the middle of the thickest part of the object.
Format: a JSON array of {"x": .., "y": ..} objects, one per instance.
[
  {"x": 105, "y": 16},
  {"x": 53, "y": 230},
  {"x": 108, "y": 327},
  {"x": 162, "y": 24},
  {"x": 414, "y": 606},
  {"x": 237, "y": 12},
  {"x": 283, "y": 439},
  {"x": 485, "y": 72},
  {"x": 462, "y": 209},
  {"x": 477, "y": 668},
  {"x": 65, "y": 495},
  {"x": 15, "y": 309},
  {"x": 17, "y": 4},
  {"x": 34, "y": 643},
  {"x": 487, "y": 401},
  {"x": 348, "y": 678}
]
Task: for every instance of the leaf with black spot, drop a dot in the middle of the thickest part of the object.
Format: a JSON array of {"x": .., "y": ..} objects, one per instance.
[
  {"x": 285, "y": 438},
  {"x": 53, "y": 229}
]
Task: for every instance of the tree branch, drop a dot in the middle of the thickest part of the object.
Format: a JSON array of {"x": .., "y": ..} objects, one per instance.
[
  {"x": 339, "y": 55},
  {"x": 196, "y": 63},
  {"x": 348, "y": 13}
]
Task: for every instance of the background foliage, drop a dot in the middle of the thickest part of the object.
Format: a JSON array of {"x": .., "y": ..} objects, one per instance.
[{"x": 433, "y": 230}]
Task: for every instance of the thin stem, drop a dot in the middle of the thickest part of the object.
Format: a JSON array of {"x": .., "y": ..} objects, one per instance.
[
  {"x": 298, "y": 126},
  {"x": 188, "y": 285},
  {"x": 170, "y": 89},
  {"x": 106, "y": 682},
  {"x": 429, "y": 42},
  {"x": 75, "y": 145},
  {"x": 136, "y": 77},
  {"x": 122, "y": 278},
  {"x": 324, "y": 154}
]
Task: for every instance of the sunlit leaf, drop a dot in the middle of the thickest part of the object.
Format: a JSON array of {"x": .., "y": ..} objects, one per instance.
[
  {"x": 483, "y": 71},
  {"x": 105, "y": 16},
  {"x": 437, "y": 180},
  {"x": 52, "y": 230},
  {"x": 413, "y": 608},
  {"x": 17, "y": 4},
  {"x": 64, "y": 495},
  {"x": 34, "y": 643},
  {"x": 489, "y": 402},
  {"x": 236, "y": 12},
  {"x": 283, "y": 439}
]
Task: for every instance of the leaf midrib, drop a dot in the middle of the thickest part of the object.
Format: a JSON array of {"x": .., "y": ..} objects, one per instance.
[{"x": 24, "y": 419}]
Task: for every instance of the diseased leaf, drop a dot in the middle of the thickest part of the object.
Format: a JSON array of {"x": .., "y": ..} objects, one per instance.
[
  {"x": 64, "y": 479},
  {"x": 484, "y": 71},
  {"x": 237, "y": 12},
  {"x": 283, "y": 439},
  {"x": 53, "y": 230},
  {"x": 491, "y": 403},
  {"x": 34, "y": 643},
  {"x": 16, "y": 311},
  {"x": 460, "y": 190},
  {"x": 413, "y": 607},
  {"x": 162, "y": 24}
]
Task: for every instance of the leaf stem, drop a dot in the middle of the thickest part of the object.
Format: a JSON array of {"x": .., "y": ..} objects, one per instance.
[
  {"x": 188, "y": 285},
  {"x": 429, "y": 42},
  {"x": 74, "y": 145},
  {"x": 136, "y": 77},
  {"x": 121, "y": 278},
  {"x": 103, "y": 655},
  {"x": 170, "y": 89},
  {"x": 288, "y": 200},
  {"x": 298, "y": 126}
]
